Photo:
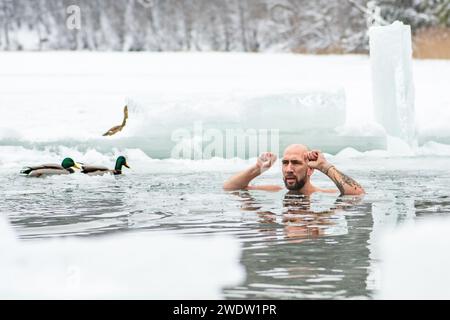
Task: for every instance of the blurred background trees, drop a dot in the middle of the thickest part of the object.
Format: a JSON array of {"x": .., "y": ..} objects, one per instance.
[{"x": 312, "y": 26}]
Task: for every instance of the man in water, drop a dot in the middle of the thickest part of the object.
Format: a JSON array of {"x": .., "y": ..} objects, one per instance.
[{"x": 298, "y": 164}]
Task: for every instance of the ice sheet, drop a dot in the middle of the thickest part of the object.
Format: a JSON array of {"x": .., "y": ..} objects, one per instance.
[{"x": 126, "y": 266}]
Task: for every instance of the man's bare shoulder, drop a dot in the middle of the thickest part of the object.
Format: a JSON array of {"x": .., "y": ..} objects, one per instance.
[{"x": 265, "y": 188}]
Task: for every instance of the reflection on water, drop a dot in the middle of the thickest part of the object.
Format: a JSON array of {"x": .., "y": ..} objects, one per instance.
[
  {"x": 315, "y": 255},
  {"x": 322, "y": 246},
  {"x": 299, "y": 219}
]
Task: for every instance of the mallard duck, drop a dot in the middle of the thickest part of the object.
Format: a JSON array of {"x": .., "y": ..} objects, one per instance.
[
  {"x": 99, "y": 170},
  {"x": 67, "y": 166},
  {"x": 118, "y": 128}
]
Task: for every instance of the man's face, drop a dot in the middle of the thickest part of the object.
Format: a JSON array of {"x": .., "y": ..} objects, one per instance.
[{"x": 295, "y": 170}]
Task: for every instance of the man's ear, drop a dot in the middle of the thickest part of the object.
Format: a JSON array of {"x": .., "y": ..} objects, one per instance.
[{"x": 310, "y": 172}]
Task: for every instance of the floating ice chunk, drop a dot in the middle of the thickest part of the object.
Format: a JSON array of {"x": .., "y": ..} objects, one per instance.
[{"x": 415, "y": 262}]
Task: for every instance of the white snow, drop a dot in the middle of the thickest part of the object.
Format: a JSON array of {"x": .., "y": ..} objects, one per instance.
[
  {"x": 71, "y": 98},
  {"x": 416, "y": 263},
  {"x": 126, "y": 266}
]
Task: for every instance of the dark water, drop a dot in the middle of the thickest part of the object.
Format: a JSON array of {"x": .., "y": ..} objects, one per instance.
[{"x": 294, "y": 247}]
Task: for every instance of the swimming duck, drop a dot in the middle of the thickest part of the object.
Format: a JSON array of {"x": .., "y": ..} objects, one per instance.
[
  {"x": 99, "y": 170},
  {"x": 67, "y": 166}
]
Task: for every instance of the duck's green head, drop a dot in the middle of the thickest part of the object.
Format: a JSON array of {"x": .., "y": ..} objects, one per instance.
[
  {"x": 121, "y": 161},
  {"x": 69, "y": 163}
]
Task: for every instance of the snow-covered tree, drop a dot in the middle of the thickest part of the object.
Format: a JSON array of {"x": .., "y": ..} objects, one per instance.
[{"x": 203, "y": 25}]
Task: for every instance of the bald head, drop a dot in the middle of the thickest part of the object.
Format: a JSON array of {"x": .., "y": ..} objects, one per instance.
[{"x": 295, "y": 149}]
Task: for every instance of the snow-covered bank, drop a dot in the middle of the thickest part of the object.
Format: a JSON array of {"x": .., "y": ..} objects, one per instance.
[
  {"x": 126, "y": 266},
  {"x": 416, "y": 262},
  {"x": 67, "y": 98}
]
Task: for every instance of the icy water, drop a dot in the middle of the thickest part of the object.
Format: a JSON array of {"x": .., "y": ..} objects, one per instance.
[{"x": 293, "y": 247}]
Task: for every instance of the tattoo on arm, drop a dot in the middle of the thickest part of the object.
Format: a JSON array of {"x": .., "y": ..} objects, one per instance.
[{"x": 341, "y": 180}]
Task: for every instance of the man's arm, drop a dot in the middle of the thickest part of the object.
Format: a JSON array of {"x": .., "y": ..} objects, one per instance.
[
  {"x": 242, "y": 179},
  {"x": 345, "y": 184}
]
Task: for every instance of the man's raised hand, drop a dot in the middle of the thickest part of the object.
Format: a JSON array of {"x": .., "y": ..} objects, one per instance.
[
  {"x": 316, "y": 160},
  {"x": 265, "y": 161}
]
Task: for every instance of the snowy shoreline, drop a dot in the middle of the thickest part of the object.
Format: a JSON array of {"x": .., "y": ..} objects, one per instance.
[{"x": 52, "y": 97}]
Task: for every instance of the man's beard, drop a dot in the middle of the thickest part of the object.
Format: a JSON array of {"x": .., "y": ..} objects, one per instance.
[{"x": 297, "y": 185}]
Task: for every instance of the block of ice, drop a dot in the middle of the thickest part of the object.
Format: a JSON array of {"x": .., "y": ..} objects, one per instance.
[
  {"x": 296, "y": 112},
  {"x": 392, "y": 83},
  {"x": 166, "y": 125}
]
